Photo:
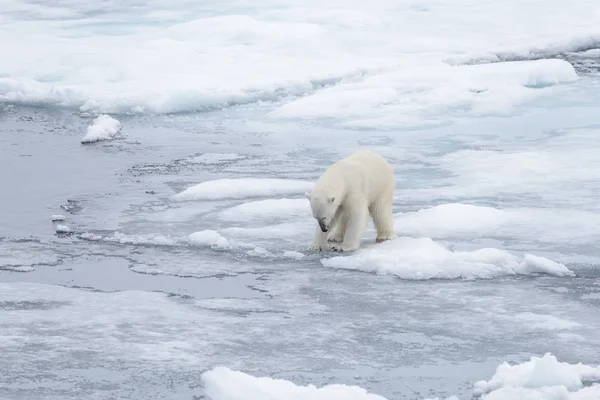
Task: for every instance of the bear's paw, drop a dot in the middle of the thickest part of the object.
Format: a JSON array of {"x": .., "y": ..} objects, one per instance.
[{"x": 315, "y": 247}]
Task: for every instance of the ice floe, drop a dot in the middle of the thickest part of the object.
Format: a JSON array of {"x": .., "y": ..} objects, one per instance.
[
  {"x": 241, "y": 188},
  {"x": 104, "y": 127},
  {"x": 423, "y": 258}
]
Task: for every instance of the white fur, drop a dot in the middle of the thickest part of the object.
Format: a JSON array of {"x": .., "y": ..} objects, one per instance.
[{"x": 360, "y": 185}]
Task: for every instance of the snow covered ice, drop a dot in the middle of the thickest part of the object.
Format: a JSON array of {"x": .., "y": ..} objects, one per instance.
[
  {"x": 104, "y": 127},
  {"x": 225, "y": 384},
  {"x": 241, "y": 188},
  {"x": 541, "y": 378},
  {"x": 58, "y": 217},
  {"x": 183, "y": 270},
  {"x": 62, "y": 229},
  {"x": 424, "y": 259}
]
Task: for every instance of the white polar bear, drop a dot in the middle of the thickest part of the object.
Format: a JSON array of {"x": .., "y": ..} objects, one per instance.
[{"x": 343, "y": 197}]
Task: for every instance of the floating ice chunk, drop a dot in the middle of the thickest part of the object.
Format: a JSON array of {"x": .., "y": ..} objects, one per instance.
[
  {"x": 268, "y": 209},
  {"x": 58, "y": 217},
  {"x": 545, "y": 322},
  {"x": 209, "y": 238},
  {"x": 542, "y": 376},
  {"x": 260, "y": 252},
  {"x": 241, "y": 188},
  {"x": 593, "y": 53},
  {"x": 423, "y": 258},
  {"x": 158, "y": 240},
  {"x": 122, "y": 238},
  {"x": 534, "y": 264},
  {"x": 296, "y": 255},
  {"x": 452, "y": 219},
  {"x": 224, "y": 384},
  {"x": 104, "y": 127},
  {"x": 62, "y": 229},
  {"x": 544, "y": 393}
]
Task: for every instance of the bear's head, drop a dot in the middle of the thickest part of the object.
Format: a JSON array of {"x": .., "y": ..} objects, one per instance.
[{"x": 323, "y": 209}]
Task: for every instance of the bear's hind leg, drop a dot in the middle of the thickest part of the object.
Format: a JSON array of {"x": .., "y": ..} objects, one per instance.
[{"x": 383, "y": 219}]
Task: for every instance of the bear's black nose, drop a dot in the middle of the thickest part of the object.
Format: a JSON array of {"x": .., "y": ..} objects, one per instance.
[{"x": 323, "y": 226}]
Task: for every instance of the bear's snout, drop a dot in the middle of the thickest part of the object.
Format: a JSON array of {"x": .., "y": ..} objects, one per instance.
[{"x": 324, "y": 226}]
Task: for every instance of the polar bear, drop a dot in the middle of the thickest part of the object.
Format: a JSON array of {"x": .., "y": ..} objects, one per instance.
[{"x": 343, "y": 197}]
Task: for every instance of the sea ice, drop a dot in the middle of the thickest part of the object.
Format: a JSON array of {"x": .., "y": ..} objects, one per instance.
[
  {"x": 209, "y": 238},
  {"x": 259, "y": 252},
  {"x": 422, "y": 258},
  {"x": 560, "y": 160},
  {"x": 381, "y": 100},
  {"x": 22, "y": 256},
  {"x": 544, "y": 377},
  {"x": 62, "y": 229},
  {"x": 541, "y": 378},
  {"x": 224, "y": 384},
  {"x": 58, "y": 217},
  {"x": 287, "y": 230},
  {"x": 122, "y": 238},
  {"x": 545, "y": 321},
  {"x": 268, "y": 209},
  {"x": 241, "y": 188},
  {"x": 451, "y": 220},
  {"x": 457, "y": 220},
  {"x": 384, "y": 64},
  {"x": 104, "y": 127}
]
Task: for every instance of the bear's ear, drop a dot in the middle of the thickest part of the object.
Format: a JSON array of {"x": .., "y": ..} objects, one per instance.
[
  {"x": 331, "y": 199},
  {"x": 308, "y": 195}
]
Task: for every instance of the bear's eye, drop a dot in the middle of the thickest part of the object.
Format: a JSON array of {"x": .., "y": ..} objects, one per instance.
[{"x": 331, "y": 199}]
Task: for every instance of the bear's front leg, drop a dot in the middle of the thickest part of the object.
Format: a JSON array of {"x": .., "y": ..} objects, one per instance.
[
  {"x": 355, "y": 228},
  {"x": 319, "y": 241},
  {"x": 336, "y": 234}
]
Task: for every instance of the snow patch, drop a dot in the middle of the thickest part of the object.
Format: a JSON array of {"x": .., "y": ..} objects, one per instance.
[
  {"x": 268, "y": 210},
  {"x": 422, "y": 258},
  {"x": 542, "y": 378},
  {"x": 259, "y": 252},
  {"x": 104, "y": 127},
  {"x": 224, "y": 384},
  {"x": 62, "y": 229},
  {"x": 295, "y": 255},
  {"x": 209, "y": 238},
  {"x": 241, "y": 188}
]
